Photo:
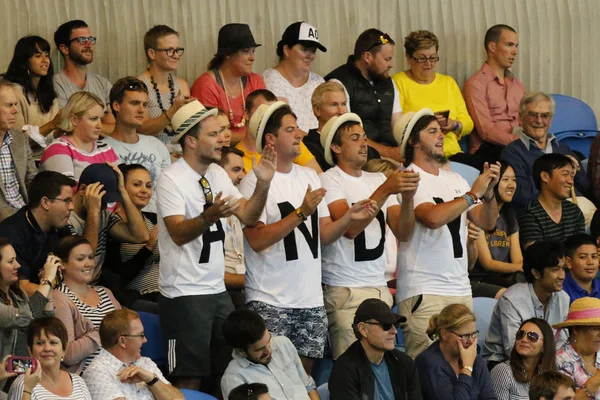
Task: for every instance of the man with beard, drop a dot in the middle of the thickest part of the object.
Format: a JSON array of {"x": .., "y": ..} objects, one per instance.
[
  {"x": 260, "y": 357},
  {"x": 371, "y": 93},
  {"x": 432, "y": 265},
  {"x": 75, "y": 42},
  {"x": 194, "y": 194}
]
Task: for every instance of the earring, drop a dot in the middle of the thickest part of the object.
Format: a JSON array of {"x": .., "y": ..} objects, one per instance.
[{"x": 62, "y": 359}]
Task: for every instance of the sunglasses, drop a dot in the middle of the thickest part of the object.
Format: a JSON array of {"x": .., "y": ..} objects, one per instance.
[
  {"x": 532, "y": 337},
  {"x": 208, "y": 195},
  {"x": 385, "y": 327},
  {"x": 383, "y": 39},
  {"x": 84, "y": 40}
]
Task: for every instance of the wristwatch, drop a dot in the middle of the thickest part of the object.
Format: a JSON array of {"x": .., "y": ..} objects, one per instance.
[
  {"x": 153, "y": 381},
  {"x": 301, "y": 215},
  {"x": 468, "y": 368}
]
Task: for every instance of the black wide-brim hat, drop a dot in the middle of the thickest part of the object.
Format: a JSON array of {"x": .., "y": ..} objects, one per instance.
[{"x": 233, "y": 37}]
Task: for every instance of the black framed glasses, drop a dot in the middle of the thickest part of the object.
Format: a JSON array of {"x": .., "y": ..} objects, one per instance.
[
  {"x": 171, "y": 51},
  {"x": 67, "y": 201},
  {"x": 385, "y": 327},
  {"x": 467, "y": 336},
  {"x": 423, "y": 60},
  {"x": 208, "y": 195},
  {"x": 84, "y": 40},
  {"x": 532, "y": 337},
  {"x": 141, "y": 335},
  {"x": 383, "y": 39}
]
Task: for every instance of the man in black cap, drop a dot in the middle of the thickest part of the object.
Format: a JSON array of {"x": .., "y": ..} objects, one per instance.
[
  {"x": 371, "y": 93},
  {"x": 100, "y": 184},
  {"x": 372, "y": 368}
]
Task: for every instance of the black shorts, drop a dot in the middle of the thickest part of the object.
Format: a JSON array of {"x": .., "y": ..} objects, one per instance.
[{"x": 193, "y": 329}]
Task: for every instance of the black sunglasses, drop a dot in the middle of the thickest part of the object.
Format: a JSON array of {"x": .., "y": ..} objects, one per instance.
[
  {"x": 208, "y": 195},
  {"x": 532, "y": 337},
  {"x": 385, "y": 327},
  {"x": 383, "y": 39}
]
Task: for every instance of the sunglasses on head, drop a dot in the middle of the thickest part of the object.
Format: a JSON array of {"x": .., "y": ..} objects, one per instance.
[
  {"x": 383, "y": 39},
  {"x": 208, "y": 195},
  {"x": 532, "y": 337}
]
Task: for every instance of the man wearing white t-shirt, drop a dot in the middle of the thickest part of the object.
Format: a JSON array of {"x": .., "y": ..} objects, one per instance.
[
  {"x": 354, "y": 266},
  {"x": 283, "y": 260},
  {"x": 129, "y": 104},
  {"x": 195, "y": 196},
  {"x": 432, "y": 265}
]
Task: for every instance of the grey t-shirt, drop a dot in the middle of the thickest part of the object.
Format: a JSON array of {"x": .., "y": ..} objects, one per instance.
[{"x": 94, "y": 83}]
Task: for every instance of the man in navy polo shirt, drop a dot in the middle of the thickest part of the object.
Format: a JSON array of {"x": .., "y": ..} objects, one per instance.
[{"x": 582, "y": 260}]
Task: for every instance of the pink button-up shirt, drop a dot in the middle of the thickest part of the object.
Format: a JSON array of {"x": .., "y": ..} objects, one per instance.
[{"x": 494, "y": 106}]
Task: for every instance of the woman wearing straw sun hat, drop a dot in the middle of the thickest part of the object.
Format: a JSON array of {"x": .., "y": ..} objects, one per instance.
[{"x": 578, "y": 357}]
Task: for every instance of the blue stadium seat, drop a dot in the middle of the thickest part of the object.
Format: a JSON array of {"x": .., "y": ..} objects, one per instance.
[
  {"x": 574, "y": 123},
  {"x": 400, "y": 335},
  {"x": 155, "y": 347},
  {"x": 483, "y": 307},
  {"x": 466, "y": 171},
  {"x": 323, "y": 391},
  {"x": 322, "y": 367},
  {"x": 189, "y": 394}
]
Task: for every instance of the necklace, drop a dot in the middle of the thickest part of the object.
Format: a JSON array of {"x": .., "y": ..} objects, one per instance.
[
  {"x": 158, "y": 96},
  {"x": 242, "y": 123}
]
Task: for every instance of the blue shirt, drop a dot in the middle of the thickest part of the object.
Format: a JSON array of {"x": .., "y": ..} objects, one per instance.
[
  {"x": 576, "y": 292},
  {"x": 383, "y": 384}
]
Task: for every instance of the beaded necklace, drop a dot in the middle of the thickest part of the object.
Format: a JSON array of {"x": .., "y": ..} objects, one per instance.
[
  {"x": 158, "y": 97},
  {"x": 242, "y": 123}
]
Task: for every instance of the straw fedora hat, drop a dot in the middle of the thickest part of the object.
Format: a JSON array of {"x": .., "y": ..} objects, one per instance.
[
  {"x": 331, "y": 128},
  {"x": 258, "y": 121},
  {"x": 188, "y": 116},
  {"x": 405, "y": 125},
  {"x": 583, "y": 312}
]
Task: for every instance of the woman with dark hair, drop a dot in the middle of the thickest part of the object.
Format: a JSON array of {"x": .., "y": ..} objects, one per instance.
[
  {"x": 291, "y": 80},
  {"x": 533, "y": 353},
  {"x": 500, "y": 260},
  {"x": 47, "y": 342},
  {"x": 131, "y": 269},
  {"x": 79, "y": 305},
  {"x": 229, "y": 79},
  {"x": 250, "y": 391},
  {"x": 16, "y": 309},
  {"x": 32, "y": 72}
]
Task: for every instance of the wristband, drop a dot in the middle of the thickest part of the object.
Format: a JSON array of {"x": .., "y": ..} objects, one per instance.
[
  {"x": 456, "y": 126},
  {"x": 468, "y": 198},
  {"x": 26, "y": 391},
  {"x": 153, "y": 381}
]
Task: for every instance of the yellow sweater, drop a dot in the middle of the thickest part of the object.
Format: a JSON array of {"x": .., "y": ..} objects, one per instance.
[
  {"x": 304, "y": 157},
  {"x": 441, "y": 94}
]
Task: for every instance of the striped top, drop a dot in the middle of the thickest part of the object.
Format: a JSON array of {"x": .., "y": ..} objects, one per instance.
[
  {"x": 536, "y": 224},
  {"x": 80, "y": 390},
  {"x": 154, "y": 108},
  {"x": 146, "y": 281},
  {"x": 62, "y": 156},
  {"x": 505, "y": 385},
  {"x": 94, "y": 314}
]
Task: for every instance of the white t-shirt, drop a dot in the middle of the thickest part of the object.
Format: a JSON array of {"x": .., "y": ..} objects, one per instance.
[
  {"x": 429, "y": 263},
  {"x": 194, "y": 268},
  {"x": 360, "y": 262},
  {"x": 149, "y": 152},
  {"x": 287, "y": 274},
  {"x": 299, "y": 98}
]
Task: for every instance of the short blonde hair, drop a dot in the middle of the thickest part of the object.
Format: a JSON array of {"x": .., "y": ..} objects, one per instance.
[
  {"x": 79, "y": 103},
  {"x": 323, "y": 88},
  {"x": 452, "y": 317},
  {"x": 420, "y": 40},
  {"x": 380, "y": 165}
]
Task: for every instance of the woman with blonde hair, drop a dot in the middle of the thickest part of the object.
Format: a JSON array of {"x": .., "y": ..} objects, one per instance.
[
  {"x": 81, "y": 123},
  {"x": 450, "y": 368}
]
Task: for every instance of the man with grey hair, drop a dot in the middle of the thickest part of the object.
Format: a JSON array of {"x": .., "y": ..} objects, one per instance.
[{"x": 536, "y": 112}]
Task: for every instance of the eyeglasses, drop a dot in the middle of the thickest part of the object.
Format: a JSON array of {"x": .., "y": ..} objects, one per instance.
[
  {"x": 532, "y": 337},
  {"x": 423, "y": 60},
  {"x": 206, "y": 189},
  {"x": 383, "y": 39},
  {"x": 84, "y": 40},
  {"x": 141, "y": 335},
  {"x": 171, "y": 51},
  {"x": 385, "y": 327},
  {"x": 467, "y": 336},
  {"x": 67, "y": 201},
  {"x": 544, "y": 116}
]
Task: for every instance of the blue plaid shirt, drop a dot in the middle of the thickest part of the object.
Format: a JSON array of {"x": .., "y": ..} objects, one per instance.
[{"x": 9, "y": 174}]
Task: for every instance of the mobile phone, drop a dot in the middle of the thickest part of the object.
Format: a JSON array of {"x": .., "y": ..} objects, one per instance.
[
  {"x": 20, "y": 365},
  {"x": 445, "y": 113}
]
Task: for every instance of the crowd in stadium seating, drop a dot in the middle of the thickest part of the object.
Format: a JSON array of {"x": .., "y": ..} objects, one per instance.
[{"x": 271, "y": 222}]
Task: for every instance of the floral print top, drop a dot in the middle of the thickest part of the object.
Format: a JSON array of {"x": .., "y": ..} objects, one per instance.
[{"x": 571, "y": 364}]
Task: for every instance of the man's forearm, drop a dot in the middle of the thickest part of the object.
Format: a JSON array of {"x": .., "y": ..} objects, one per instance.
[
  {"x": 189, "y": 229},
  {"x": 255, "y": 204},
  {"x": 90, "y": 231},
  {"x": 162, "y": 391},
  {"x": 406, "y": 221}
]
